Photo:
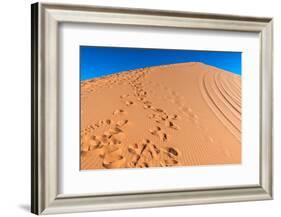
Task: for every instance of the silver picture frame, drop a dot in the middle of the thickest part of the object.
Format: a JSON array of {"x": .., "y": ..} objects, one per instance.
[{"x": 45, "y": 21}]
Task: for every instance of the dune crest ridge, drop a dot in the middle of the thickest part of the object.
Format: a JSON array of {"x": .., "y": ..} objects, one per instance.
[{"x": 183, "y": 114}]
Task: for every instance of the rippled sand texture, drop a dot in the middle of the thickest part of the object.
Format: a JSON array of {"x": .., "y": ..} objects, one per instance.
[{"x": 173, "y": 115}]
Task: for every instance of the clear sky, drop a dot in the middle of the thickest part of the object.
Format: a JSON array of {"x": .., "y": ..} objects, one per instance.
[{"x": 101, "y": 61}]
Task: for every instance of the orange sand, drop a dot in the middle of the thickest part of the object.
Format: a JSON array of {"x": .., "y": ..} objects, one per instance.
[{"x": 172, "y": 115}]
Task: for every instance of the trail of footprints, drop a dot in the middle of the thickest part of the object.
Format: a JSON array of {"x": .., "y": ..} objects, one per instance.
[
  {"x": 147, "y": 154},
  {"x": 175, "y": 98},
  {"x": 157, "y": 114},
  {"x": 109, "y": 145}
]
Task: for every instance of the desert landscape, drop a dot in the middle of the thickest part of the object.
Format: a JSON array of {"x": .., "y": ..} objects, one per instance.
[{"x": 183, "y": 114}]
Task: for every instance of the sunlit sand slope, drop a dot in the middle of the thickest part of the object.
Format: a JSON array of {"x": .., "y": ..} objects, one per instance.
[{"x": 173, "y": 115}]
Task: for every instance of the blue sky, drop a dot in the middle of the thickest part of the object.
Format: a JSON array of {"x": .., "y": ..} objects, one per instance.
[{"x": 101, "y": 61}]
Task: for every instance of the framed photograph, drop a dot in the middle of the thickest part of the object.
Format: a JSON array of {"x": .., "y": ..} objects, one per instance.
[{"x": 142, "y": 108}]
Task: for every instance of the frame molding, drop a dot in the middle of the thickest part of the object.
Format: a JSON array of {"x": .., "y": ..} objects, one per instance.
[{"x": 45, "y": 19}]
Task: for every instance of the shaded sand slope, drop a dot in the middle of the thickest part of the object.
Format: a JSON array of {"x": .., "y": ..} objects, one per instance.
[{"x": 172, "y": 115}]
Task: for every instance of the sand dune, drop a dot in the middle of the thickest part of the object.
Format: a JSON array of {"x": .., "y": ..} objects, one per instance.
[{"x": 172, "y": 115}]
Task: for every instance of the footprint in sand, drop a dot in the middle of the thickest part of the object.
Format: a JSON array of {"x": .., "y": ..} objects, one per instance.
[
  {"x": 147, "y": 106},
  {"x": 172, "y": 152},
  {"x": 118, "y": 111},
  {"x": 121, "y": 123},
  {"x": 173, "y": 117},
  {"x": 157, "y": 131},
  {"x": 129, "y": 103},
  {"x": 171, "y": 125},
  {"x": 147, "y": 102},
  {"x": 142, "y": 93},
  {"x": 124, "y": 96},
  {"x": 140, "y": 98},
  {"x": 170, "y": 157}
]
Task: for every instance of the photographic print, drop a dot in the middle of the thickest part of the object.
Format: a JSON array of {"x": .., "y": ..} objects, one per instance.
[
  {"x": 143, "y": 107},
  {"x": 153, "y": 99}
]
